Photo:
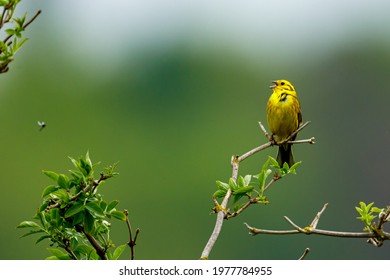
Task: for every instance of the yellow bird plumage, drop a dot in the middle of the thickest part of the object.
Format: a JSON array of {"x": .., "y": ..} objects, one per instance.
[{"x": 284, "y": 117}]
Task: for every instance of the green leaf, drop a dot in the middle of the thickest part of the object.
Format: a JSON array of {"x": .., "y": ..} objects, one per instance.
[
  {"x": 83, "y": 250},
  {"x": 28, "y": 224},
  {"x": 86, "y": 168},
  {"x": 58, "y": 254},
  {"x": 94, "y": 209},
  {"x": 76, "y": 174},
  {"x": 43, "y": 206},
  {"x": 88, "y": 159},
  {"x": 360, "y": 211},
  {"x": 285, "y": 167},
  {"x": 222, "y": 185},
  {"x": 54, "y": 214},
  {"x": 93, "y": 255},
  {"x": 237, "y": 198},
  {"x": 63, "y": 181},
  {"x": 17, "y": 44},
  {"x": 76, "y": 208},
  {"x": 294, "y": 166},
  {"x": 32, "y": 232},
  {"x": 369, "y": 206},
  {"x": 232, "y": 184},
  {"x": 219, "y": 194},
  {"x": 262, "y": 177},
  {"x": 118, "y": 251},
  {"x": 89, "y": 223},
  {"x": 43, "y": 237},
  {"x": 49, "y": 190},
  {"x": 376, "y": 209},
  {"x": 83, "y": 165},
  {"x": 60, "y": 194},
  {"x": 240, "y": 182},
  {"x": 41, "y": 217},
  {"x": 78, "y": 218},
  {"x": 119, "y": 215},
  {"x": 10, "y": 31},
  {"x": 75, "y": 163},
  {"x": 273, "y": 162},
  {"x": 103, "y": 205},
  {"x": 247, "y": 180},
  {"x": 243, "y": 190},
  {"x": 20, "y": 21},
  {"x": 362, "y": 205},
  {"x": 51, "y": 175},
  {"x": 112, "y": 205}
]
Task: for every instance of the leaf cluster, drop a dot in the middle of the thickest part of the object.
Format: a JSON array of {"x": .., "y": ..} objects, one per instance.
[
  {"x": 14, "y": 28},
  {"x": 368, "y": 214},
  {"x": 253, "y": 186},
  {"x": 74, "y": 216}
]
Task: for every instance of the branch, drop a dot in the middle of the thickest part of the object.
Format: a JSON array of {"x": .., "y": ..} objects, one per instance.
[
  {"x": 132, "y": 242},
  {"x": 222, "y": 212},
  {"x": 92, "y": 186},
  {"x": 318, "y": 216},
  {"x": 269, "y": 137},
  {"x": 307, "y": 250},
  {"x": 384, "y": 217},
  {"x": 95, "y": 244},
  {"x": 252, "y": 200},
  {"x": 254, "y": 151},
  {"x": 294, "y": 133},
  {"x": 312, "y": 229},
  {"x": 24, "y": 26},
  {"x": 311, "y": 140},
  {"x": 70, "y": 252}
]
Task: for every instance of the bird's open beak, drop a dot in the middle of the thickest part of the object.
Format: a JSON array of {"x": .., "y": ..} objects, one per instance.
[{"x": 274, "y": 84}]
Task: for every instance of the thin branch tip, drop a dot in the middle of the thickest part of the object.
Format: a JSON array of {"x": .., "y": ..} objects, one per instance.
[{"x": 307, "y": 250}]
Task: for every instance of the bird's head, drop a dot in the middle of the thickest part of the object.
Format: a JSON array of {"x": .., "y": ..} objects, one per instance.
[{"x": 282, "y": 85}]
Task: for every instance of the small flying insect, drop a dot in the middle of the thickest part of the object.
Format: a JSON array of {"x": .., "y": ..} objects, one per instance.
[{"x": 42, "y": 125}]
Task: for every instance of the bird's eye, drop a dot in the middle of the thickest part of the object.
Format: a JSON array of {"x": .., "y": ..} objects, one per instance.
[{"x": 282, "y": 83}]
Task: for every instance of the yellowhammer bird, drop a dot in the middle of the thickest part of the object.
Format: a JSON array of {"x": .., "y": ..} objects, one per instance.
[{"x": 284, "y": 117}]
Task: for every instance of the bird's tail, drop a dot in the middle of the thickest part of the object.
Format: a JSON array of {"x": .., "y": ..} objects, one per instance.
[{"x": 285, "y": 154}]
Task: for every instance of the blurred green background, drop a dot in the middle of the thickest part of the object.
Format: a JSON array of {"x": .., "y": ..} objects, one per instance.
[{"x": 172, "y": 89}]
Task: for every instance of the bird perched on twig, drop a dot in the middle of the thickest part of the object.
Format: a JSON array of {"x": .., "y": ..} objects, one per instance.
[{"x": 284, "y": 117}]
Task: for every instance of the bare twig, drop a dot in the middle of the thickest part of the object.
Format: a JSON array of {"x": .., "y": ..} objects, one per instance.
[
  {"x": 254, "y": 151},
  {"x": 311, "y": 140},
  {"x": 384, "y": 217},
  {"x": 3, "y": 19},
  {"x": 318, "y": 216},
  {"x": 273, "y": 180},
  {"x": 294, "y": 133},
  {"x": 269, "y": 137},
  {"x": 222, "y": 212},
  {"x": 374, "y": 237},
  {"x": 132, "y": 242},
  {"x": 255, "y": 231},
  {"x": 307, "y": 250}
]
